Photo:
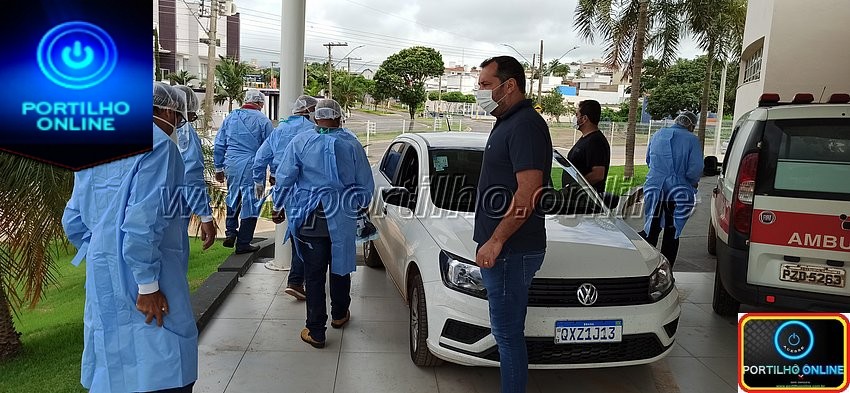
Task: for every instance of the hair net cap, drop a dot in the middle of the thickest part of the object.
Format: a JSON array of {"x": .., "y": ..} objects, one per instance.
[
  {"x": 167, "y": 97},
  {"x": 254, "y": 96},
  {"x": 192, "y": 102},
  {"x": 303, "y": 103},
  {"x": 328, "y": 109},
  {"x": 686, "y": 119}
]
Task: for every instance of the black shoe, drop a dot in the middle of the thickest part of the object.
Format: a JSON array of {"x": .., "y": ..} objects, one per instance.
[
  {"x": 247, "y": 249},
  {"x": 229, "y": 242}
]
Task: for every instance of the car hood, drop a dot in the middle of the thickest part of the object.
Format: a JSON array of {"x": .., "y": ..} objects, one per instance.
[{"x": 577, "y": 247}]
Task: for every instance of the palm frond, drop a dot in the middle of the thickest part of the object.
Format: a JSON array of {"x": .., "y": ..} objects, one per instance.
[{"x": 32, "y": 200}]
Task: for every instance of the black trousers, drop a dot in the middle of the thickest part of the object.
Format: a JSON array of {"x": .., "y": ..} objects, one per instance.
[
  {"x": 669, "y": 244},
  {"x": 185, "y": 389}
]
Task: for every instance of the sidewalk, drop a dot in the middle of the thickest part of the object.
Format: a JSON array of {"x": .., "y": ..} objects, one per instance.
[{"x": 253, "y": 345}]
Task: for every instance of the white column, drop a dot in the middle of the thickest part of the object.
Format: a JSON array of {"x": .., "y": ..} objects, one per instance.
[
  {"x": 720, "y": 102},
  {"x": 292, "y": 20}
]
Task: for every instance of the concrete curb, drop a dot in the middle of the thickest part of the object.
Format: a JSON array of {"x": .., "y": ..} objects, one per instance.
[{"x": 209, "y": 297}]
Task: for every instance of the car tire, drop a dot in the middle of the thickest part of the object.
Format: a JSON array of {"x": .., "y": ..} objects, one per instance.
[
  {"x": 710, "y": 166},
  {"x": 712, "y": 239},
  {"x": 370, "y": 255},
  {"x": 723, "y": 303},
  {"x": 418, "y": 327}
]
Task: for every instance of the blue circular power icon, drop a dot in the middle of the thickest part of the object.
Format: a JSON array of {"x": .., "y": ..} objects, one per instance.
[
  {"x": 794, "y": 340},
  {"x": 77, "y": 55}
]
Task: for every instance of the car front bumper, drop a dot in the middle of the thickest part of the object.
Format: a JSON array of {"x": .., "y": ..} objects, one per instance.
[{"x": 459, "y": 332}]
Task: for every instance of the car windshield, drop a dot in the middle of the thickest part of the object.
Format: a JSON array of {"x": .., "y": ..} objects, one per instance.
[{"x": 454, "y": 184}]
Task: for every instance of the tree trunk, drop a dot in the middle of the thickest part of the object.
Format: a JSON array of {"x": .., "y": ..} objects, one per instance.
[
  {"x": 706, "y": 90},
  {"x": 637, "y": 68},
  {"x": 10, "y": 340},
  {"x": 156, "y": 74},
  {"x": 412, "y": 110},
  {"x": 230, "y": 106}
]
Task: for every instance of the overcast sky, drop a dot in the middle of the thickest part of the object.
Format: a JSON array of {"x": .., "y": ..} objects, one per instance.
[{"x": 465, "y": 31}]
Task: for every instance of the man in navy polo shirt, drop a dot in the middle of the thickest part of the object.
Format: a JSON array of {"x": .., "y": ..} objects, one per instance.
[{"x": 509, "y": 228}]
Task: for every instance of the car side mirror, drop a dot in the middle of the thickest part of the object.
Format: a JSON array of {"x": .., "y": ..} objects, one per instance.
[{"x": 398, "y": 196}]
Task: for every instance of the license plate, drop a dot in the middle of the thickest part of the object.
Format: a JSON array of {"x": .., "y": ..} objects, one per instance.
[
  {"x": 814, "y": 275},
  {"x": 581, "y": 332}
]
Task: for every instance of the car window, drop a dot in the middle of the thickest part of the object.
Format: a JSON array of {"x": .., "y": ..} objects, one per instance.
[
  {"x": 408, "y": 172},
  {"x": 729, "y": 145},
  {"x": 389, "y": 165},
  {"x": 454, "y": 182},
  {"x": 735, "y": 151},
  {"x": 454, "y": 178},
  {"x": 813, "y": 155}
]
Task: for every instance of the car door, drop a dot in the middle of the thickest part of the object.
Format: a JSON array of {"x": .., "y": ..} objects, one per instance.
[
  {"x": 398, "y": 219},
  {"x": 388, "y": 169},
  {"x": 726, "y": 181}
]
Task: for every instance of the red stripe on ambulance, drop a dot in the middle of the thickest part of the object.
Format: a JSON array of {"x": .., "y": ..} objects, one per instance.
[{"x": 805, "y": 230}]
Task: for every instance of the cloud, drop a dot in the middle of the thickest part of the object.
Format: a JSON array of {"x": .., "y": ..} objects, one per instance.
[{"x": 467, "y": 31}]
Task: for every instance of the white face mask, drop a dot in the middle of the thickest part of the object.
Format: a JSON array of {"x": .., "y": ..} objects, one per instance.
[
  {"x": 173, "y": 134},
  {"x": 577, "y": 124},
  {"x": 484, "y": 98}
]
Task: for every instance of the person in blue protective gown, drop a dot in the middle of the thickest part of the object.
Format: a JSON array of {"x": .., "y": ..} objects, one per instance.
[
  {"x": 195, "y": 189},
  {"x": 675, "y": 159},
  {"x": 269, "y": 157},
  {"x": 127, "y": 219},
  {"x": 323, "y": 182},
  {"x": 236, "y": 144}
]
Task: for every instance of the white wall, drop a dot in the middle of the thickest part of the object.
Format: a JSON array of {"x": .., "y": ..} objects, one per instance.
[{"x": 805, "y": 50}]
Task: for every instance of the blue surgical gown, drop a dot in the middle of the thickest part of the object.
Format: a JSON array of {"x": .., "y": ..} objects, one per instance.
[
  {"x": 127, "y": 218},
  {"x": 333, "y": 169},
  {"x": 271, "y": 152},
  {"x": 195, "y": 190},
  {"x": 236, "y": 145},
  {"x": 675, "y": 159}
]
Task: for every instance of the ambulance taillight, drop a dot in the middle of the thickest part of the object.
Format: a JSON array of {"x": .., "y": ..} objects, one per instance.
[{"x": 745, "y": 188}]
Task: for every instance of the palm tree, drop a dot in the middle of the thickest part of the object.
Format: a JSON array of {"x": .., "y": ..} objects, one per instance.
[
  {"x": 630, "y": 27},
  {"x": 32, "y": 199},
  {"x": 181, "y": 78},
  {"x": 230, "y": 80},
  {"x": 718, "y": 26}
]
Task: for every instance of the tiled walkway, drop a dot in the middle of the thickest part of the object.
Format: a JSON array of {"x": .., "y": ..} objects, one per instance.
[{"x": 253, "y": 345}]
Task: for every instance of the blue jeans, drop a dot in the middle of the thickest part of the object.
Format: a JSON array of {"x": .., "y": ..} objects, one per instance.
[
  {"x": 243, "y": 231},
  {"x": 507, "y": 284},
  {"x": 316, "y": 252},
  {"x": 296, "y": 271}
]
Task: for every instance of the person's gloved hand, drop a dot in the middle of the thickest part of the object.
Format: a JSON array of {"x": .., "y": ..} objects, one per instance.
[
  {"x": 259, "y": 190},
  {"x": 278, "y": 217},
  {"x": 219, "y": 177},
  {"x": 271, "y": 180}
]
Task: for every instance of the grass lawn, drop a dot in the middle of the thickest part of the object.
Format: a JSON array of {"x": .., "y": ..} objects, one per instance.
[
  {"x": 52, "y": 333},
  {"x": 616, "y": 183}
]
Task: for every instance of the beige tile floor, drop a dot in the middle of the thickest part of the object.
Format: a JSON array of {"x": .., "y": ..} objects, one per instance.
[{"x": 253, "y": 345}]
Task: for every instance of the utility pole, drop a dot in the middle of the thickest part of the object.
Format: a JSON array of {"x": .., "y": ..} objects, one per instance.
[
  {"x": 531, "y": 82},
  {"x": 540, "y": 79},
  {"x": 211, "y": 57},
  {"x": 349, "y": 62},
  {"x": 330, "y": 46}
]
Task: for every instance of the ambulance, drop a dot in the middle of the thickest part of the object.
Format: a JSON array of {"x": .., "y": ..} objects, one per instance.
[{"x": 780, "y": 213}]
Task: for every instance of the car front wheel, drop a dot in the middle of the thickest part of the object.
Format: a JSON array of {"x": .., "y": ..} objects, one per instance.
[
  {"x": 370, "y": 255},
  {"x": 419, "y": 352}
]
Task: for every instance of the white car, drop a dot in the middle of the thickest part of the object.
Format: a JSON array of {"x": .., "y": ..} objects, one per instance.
[{"x": 604, "y": 297}]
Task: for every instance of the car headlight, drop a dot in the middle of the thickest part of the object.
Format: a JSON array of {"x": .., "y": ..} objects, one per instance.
[
  {"x": 661, "y": 280},
  {"x": 462, "y": 275}
]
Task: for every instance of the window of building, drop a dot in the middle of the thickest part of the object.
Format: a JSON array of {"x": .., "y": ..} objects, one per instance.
[{"x": 752, "y": 67}]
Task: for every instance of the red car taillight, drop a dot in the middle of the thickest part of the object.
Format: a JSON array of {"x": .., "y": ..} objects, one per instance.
[{"x": 745, "y": 188}]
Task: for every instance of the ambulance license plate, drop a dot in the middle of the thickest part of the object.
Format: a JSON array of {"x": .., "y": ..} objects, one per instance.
[{"x": 814, "y": 275}]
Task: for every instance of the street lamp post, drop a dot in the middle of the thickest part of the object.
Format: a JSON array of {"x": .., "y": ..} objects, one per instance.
[{"x": 349, "y": 54}]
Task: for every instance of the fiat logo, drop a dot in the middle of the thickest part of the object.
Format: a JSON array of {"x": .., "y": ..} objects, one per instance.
[
  {"x": 767, "y": 217},
  {"x": 587, "y": 294}
]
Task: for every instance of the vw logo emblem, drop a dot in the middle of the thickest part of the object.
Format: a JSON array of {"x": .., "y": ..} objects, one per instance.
[{"x": 587, "y": 294}]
